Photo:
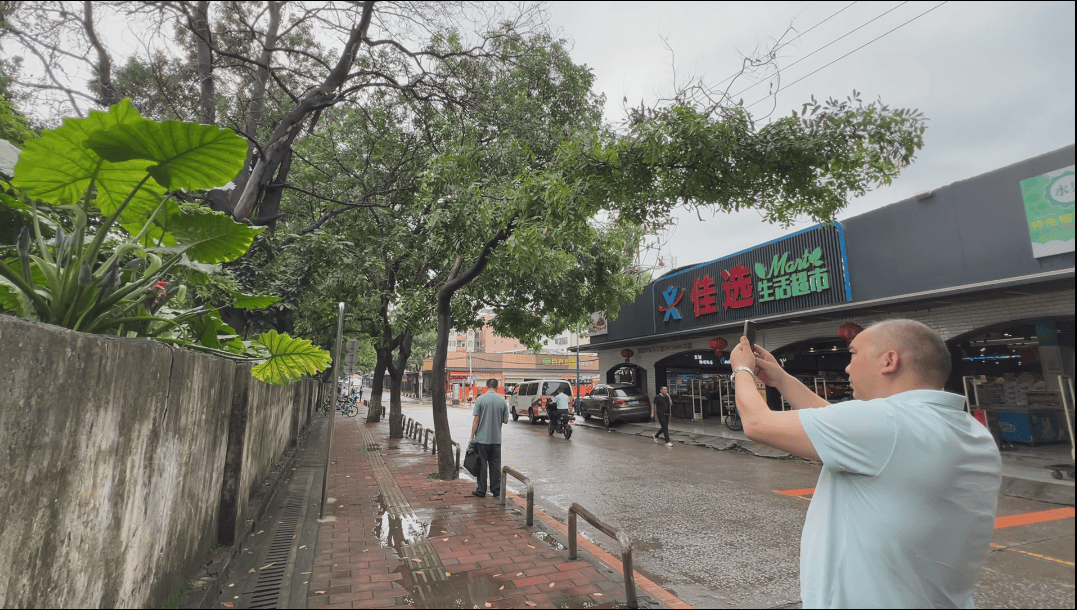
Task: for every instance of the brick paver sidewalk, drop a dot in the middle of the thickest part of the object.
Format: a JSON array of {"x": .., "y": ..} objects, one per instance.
[{"x": 394, "y": 536}]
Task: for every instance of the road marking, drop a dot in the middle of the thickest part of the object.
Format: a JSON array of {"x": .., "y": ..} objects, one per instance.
[
  {"x": 1042, "y": 516},
  {"x": 1030, "y": 554},
  {"x": 1037, "y": 517},
  {"x": 797, "y": 493},
  {"x": 642, "y": 582}
]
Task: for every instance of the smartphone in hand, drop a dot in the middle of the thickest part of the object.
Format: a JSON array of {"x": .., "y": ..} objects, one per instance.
[{"x": 749, "y": 331}]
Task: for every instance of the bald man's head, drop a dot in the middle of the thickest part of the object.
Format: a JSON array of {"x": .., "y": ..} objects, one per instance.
[{"x": 922, "y": 349}]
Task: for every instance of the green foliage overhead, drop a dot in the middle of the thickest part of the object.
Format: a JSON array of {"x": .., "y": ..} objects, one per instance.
[{"x": 114, "y": 275}]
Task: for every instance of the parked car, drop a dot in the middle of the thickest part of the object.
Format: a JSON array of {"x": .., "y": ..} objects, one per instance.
[
  {"x": 530, "y": 398},
  {"x": 616, "y": 402}
]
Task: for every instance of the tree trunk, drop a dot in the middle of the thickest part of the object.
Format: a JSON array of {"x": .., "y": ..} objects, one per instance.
[
  {"x": 442, "y": 437},
  {"x": 247, "y": 196},
  {"x": 376, "y": 386},
  {"x": 109, "y": 96},
  {"x": 396, "y": 373},
  {"x": 257, "y": 101},
  {"x": 446, "y": 457},
  {"x": 269, "y": 209},
  {"x": 207, "y": 101}
]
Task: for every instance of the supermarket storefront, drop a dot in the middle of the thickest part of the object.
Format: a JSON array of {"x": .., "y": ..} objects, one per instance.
[{"x": 964, "y": 259}]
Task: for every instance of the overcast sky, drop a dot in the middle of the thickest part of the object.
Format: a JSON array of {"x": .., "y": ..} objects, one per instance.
[{"x": 995, "y": 80}]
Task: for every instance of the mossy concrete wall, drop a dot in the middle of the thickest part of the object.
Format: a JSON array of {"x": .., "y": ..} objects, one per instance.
[{"x": 112, "y": 462}]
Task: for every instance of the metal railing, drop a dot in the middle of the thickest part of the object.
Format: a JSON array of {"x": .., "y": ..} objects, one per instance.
[
  {"x": 618, "y": 535},
  {"x": 530, "y": 492},
  {"x": 426, "y": 437}
]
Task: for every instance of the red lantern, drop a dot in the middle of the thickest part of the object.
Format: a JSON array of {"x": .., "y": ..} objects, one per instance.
[
  {"x": 719, "y": 344},
  {"x": 627, "y": 353},
  {"x": 849, "y": 331}
]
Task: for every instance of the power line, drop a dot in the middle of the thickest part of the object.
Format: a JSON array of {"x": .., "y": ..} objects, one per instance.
[
  {"x": 825, "y": 46},
  {"x": 797, "y": 37},
  {"x": 850, "y": 52}
]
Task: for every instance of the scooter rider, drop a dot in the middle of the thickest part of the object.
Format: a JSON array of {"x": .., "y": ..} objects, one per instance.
[{"x": 559, "y": 406}]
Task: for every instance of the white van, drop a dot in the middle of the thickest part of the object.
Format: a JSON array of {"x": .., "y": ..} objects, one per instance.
[{"x": 530, "y": 400}]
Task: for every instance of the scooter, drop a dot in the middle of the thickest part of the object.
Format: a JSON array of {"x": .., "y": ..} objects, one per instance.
[{"x": 562, "y": 424}]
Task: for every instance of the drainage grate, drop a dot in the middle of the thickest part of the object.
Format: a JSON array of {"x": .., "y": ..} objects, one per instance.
[{"x": 276, "y": 562}]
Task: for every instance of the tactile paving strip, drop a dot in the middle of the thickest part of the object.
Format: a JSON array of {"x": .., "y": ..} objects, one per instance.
[{"x": 425, "y": 569}]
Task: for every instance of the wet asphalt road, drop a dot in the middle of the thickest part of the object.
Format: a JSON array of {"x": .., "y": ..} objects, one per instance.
[{"x": 711, "y": 527}]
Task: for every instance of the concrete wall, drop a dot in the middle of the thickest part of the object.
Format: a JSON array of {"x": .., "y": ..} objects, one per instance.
[{"x": 112, "y": 462}]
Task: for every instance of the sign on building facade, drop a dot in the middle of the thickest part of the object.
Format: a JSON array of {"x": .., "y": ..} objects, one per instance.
[
  {"x": 802, "y": 271},
  {"x": 1048, "y": 202}
]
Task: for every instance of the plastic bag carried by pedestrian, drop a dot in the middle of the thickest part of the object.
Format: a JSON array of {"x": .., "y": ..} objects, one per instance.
[{"x": 471, "y": 460}]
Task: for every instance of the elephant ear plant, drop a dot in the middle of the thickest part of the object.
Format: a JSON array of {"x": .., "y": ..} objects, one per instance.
[{"x": 111, "y": 176}]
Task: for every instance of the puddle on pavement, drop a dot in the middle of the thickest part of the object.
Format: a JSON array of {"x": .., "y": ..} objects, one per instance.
[
  {"x": 459, "y": 590},
  {"x": 396, "y": 531},
  {"x": 550, "y": 540},
  {"x": 463, "y": 589}
]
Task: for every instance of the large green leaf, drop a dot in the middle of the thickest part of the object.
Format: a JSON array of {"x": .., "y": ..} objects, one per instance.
[
  {"x": 12, "y": 299},
  {"x": 210, "y": 237},
  {"x": 207, "y": 326},
  {"x": 290, "y": 359},
  {"x": 256, "y": 301},
  {"x": 56, "y": 168},
  {"x": 183, "y": 155}
]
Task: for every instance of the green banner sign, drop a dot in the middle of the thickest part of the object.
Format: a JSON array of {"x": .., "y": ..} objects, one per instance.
[{"x": 1049, "y": 211}]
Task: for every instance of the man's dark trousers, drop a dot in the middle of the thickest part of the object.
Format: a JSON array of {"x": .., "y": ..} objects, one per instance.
[
  {"x": 489, "y": 459},
  {"x": 663, "y": 420}
]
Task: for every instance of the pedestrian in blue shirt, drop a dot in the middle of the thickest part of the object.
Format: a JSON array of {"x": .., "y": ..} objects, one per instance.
[
  {"x": 904, "y": 509},
  {"x": 490, "y": 413}
]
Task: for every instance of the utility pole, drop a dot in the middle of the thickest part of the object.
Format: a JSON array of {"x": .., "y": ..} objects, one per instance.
[
  {"x": 470, "y": 350},
  {"x": 577, "y": 363}
]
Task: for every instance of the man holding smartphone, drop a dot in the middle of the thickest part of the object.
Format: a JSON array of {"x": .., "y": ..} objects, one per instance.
[{"x": 904, "y": 510}]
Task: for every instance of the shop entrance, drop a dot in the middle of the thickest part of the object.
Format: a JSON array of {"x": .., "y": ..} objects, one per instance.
[
  {"x": 819, "y": 364},
  {"x": 697, "y": 381},
  {"x": 628, "y": 373},
  {"x": 1010, "y": 374}
]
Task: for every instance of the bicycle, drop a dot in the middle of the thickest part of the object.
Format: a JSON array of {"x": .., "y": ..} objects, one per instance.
[
  {"x": 732, "y": 418},
  {"x": 347, "y": 405}
]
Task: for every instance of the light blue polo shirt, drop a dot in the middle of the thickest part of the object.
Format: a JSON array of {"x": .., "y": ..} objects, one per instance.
[
  {"x": 904, "y": 510},
  {"x": 492, "y": 411}
]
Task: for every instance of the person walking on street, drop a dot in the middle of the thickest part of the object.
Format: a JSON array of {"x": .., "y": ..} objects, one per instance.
[
  {"x": 661, "y": 407},
  {"x": 490, "y": 412},
  {"x": 904, "y": 509}
]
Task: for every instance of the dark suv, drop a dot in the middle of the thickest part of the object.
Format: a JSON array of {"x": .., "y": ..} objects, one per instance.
[{"x": 615, "y": 402}]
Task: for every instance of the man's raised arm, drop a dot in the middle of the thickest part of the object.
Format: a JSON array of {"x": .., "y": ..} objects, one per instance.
[{"x": 798, "y": 395}]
